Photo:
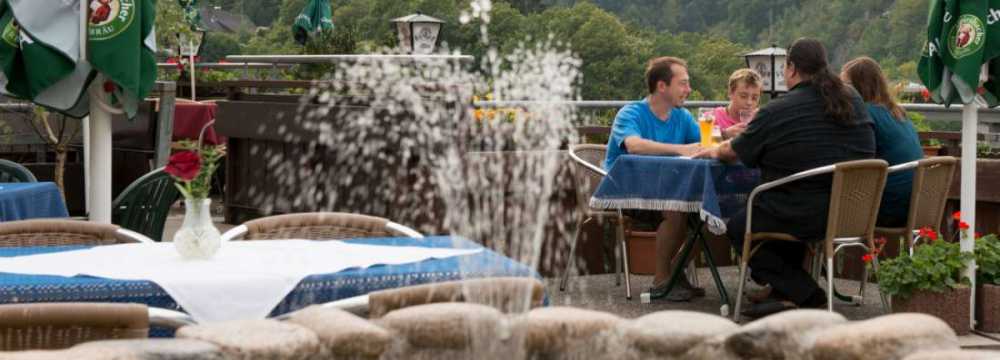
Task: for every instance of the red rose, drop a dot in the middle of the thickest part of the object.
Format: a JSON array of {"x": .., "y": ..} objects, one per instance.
[{"x": 184, "y": 165}]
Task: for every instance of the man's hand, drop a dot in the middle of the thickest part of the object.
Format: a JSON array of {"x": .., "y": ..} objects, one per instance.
[
  {"x": 709, "y": 153},
  {"x": 689, "y": 149},
  {"x": 734, "y": 131}
]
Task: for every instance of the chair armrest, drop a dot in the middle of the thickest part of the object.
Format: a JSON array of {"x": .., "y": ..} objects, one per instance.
[
  {"x": 404, "y": 229},
  {"x": 782, "y": 181},
  {"x": 904, "y": 166},
  {"x": 235, "y": 233},
  {"x": 134, "y": 236},
  {"x": 169, "y": 318},
  {"x": 586, "y": 164}
]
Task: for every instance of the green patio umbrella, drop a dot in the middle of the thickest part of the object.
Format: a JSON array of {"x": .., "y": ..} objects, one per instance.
[
  {"x": 962, "y": 48},
  {"x": 81, "y": 57},
  {"x": 315, "y": 17}
]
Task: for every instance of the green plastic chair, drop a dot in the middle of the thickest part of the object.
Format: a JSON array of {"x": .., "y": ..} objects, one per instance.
[
  {"x": 145, "y": 203},
  {"x": 12, "y": 172}
]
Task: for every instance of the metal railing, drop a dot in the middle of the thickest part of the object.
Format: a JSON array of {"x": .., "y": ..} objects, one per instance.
[{"x": 325, "y": 59}]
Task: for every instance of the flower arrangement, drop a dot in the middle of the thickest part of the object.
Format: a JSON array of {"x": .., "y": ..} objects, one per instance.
[
  {"x": 192, "y": 168},
  {"x": 935, "y": 266}
]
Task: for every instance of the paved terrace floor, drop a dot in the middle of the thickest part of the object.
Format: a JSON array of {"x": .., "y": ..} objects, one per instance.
[{"x": 599, "y": 292}]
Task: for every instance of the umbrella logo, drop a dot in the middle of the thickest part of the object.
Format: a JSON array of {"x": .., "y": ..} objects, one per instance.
[
  {"x": 966, "y": 37},
  {"x": 10, "y": 33},
  {"x": 108, "y": 18}
]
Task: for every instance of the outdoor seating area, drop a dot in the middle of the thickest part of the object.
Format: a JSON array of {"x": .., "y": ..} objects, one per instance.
[{"x": 498, "y": 179}]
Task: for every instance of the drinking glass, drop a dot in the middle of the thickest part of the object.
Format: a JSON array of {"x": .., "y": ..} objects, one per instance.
[
  {"x": 746, "y": 116},
  {"x": 706, "y": 121}
]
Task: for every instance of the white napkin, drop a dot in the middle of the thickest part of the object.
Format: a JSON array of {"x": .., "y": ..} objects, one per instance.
[{"x": 245, "y": 279}]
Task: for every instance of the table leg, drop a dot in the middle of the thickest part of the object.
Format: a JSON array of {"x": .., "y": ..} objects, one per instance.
[
  {"x": 678, "y": 270},
  {"x": 723, "y": 294}
]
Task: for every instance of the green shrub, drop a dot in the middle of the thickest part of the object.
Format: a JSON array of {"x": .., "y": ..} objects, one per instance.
[
  {"x": 988, "y": 260},
  {"x": 937, "y": 266}
]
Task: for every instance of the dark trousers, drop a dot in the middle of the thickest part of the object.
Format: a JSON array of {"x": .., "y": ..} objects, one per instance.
[{"x": 776, "y": 263}]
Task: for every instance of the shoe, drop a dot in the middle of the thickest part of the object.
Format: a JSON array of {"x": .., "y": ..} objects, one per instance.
[
  {"x": 759, "y": 296},
  {"x": 771, "y": 306},
  {"x": 815, "y": 301},
  {"x": 677, "y": 294},
  {"x": 695, "y": 291}
]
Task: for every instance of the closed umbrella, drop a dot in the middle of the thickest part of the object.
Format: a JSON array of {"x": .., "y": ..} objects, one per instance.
[
  {"x": 963, "y": 43},
  {"x": 315, "y": 17},
  {"x": 43, "y": 61}
]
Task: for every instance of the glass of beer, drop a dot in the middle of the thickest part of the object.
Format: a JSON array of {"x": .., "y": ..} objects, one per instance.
[{"x": 706, "y": 121}]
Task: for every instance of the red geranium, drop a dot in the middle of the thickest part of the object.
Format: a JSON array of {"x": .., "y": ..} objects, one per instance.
[
  {"x": 956, "y": 215},
  {"x": 867, "y": 258},
  {"x": 927, "y": 232},
  {"x": 962, "y": 225},
  {"x": 184, "y": 165}
]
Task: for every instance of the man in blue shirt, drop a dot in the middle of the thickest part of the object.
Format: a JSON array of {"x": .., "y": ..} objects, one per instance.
[{"x": 658, "y": 125}]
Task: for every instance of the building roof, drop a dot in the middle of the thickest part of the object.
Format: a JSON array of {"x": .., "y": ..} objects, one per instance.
[{"x": 213, "y": 19}]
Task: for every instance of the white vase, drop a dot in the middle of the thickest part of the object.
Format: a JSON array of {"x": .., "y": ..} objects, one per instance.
[{"x": 197, "y": 238}]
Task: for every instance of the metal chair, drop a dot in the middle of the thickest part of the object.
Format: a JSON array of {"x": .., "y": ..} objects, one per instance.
[
  {"x": 318, "y": 226},
  {"x": 49, "y": 232},
  {"x": 51, "y": 326},
  {"x": 932, "y": 179},
  {"x": 144, "y": 205},
  {"x": 12, "y": 172},
  {"x": 855, "y": 197},
  {"x": 589, "y": 158}
]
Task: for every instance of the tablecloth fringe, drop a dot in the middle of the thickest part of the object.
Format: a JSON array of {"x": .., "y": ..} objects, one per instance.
[{"x": 715, "y": 224}]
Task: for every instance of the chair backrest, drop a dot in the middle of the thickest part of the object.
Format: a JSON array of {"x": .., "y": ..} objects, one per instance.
[
  {"x": 144, "y": 205},
  {"x": 12, "y": 172},
  {"x": 50, "y": 326},
  {"x": 586, "y": 178},
  {"x": 321, "y": 226},
  {"x": 855, "y": 198},
  {"x": 931, "y": 183},
  {"x": 51, "y": 232}
]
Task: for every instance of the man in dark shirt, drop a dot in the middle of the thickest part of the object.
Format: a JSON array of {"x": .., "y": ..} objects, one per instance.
[{"x": 819, "y": 122}]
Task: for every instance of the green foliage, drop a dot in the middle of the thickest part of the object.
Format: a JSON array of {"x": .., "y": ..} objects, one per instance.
[
  {"x": 937, "y": 266},
  {"x": 988, "y": 260},
  {"x": 217, "y": 45},
  {"x": 199, "y": 187}
]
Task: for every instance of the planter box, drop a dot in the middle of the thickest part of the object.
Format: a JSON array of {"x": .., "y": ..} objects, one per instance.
[
  {"x": 950, "y": 306},
  {"x": 641, "y": 252},
  {"x": 988, "y": 308}
]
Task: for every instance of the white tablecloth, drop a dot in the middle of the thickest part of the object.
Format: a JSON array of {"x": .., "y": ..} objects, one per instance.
[{"x": 245, "y": 279}]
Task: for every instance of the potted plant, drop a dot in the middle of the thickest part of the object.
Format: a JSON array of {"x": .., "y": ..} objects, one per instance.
[
  {"x": 932, "y": 147},
  {"x": 930, "y": 281},
  {"x": 988, "y": 281},
  {"x": 192, "y": 169}
]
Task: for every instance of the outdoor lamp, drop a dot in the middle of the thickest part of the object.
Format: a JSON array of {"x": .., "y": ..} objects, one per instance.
[
  {"x": 770, "y": 64},
  {"x": 418, "y": 33},
  {"x": 191, "y": 46}
]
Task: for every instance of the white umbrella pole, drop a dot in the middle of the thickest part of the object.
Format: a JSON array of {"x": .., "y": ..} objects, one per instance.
[
  {"x": 191, "y": 63},
  {"x": 97, "y": 143},
  {"x": 968, "y": 196},
  {"x": 100, "y": 160}
]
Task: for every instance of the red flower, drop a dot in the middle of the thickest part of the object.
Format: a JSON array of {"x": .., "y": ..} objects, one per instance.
[
  {"x": 867, "y": 258},
  {"x": 184, "y": 165},
  {"x": 963, "y": 226},
  {"x": 957, "y": 216},
  {"x": 109, "y": 86},
  {"x": 927, "y": 232},
  {"x": 977, "y": 235},
  {"x": 926, "y": 94}
]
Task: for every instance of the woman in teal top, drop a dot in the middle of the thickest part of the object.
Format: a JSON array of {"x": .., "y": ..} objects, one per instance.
[{"x": 896, "y": 139}]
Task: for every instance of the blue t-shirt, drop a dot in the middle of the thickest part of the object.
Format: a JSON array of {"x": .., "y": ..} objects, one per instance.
[
  {"x": 896, "y": 142},
  {"x": 636, "y": 119}
]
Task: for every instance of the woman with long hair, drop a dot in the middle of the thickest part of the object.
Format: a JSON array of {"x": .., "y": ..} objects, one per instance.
[
  {"x": 819, "y": 122},
  {"x": 896, "y": 139}
]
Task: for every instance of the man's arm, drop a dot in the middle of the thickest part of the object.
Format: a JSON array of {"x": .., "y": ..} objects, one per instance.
[
  {"x": 638, "y": 145},
  {"x": 723, "y": 152}
]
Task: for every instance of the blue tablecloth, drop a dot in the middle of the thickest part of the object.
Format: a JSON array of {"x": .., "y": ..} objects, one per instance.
[
  {"x": 713, "y": 189},
  {"x": 20, "y": 201},
  {"x": 321, "y": 288}
]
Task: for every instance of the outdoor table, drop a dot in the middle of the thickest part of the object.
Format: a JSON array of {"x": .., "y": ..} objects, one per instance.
[
  {"x": 191, "y": 117},
  {"x": 313, "y": 289},
  {"x": 712, "y": 189},
  {"x": 21, "y": 201}
]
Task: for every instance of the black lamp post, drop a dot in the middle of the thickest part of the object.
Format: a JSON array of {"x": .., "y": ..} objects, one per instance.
[{"x": 770, "y": 64}]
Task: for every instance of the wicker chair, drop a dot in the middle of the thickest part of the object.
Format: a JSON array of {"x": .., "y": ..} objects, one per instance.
[
  {"x": 13, "y": 172},
  {"x": 854, "y": 202},
  {"x": 64, "y": 232},
  {"x": 932, "y": 179},
  {"x": 589, "y": 174},
  {"x": 144, "y": 205},
  {"x": 318, "y": 226},
  {"x": 50, "y": 326}
]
